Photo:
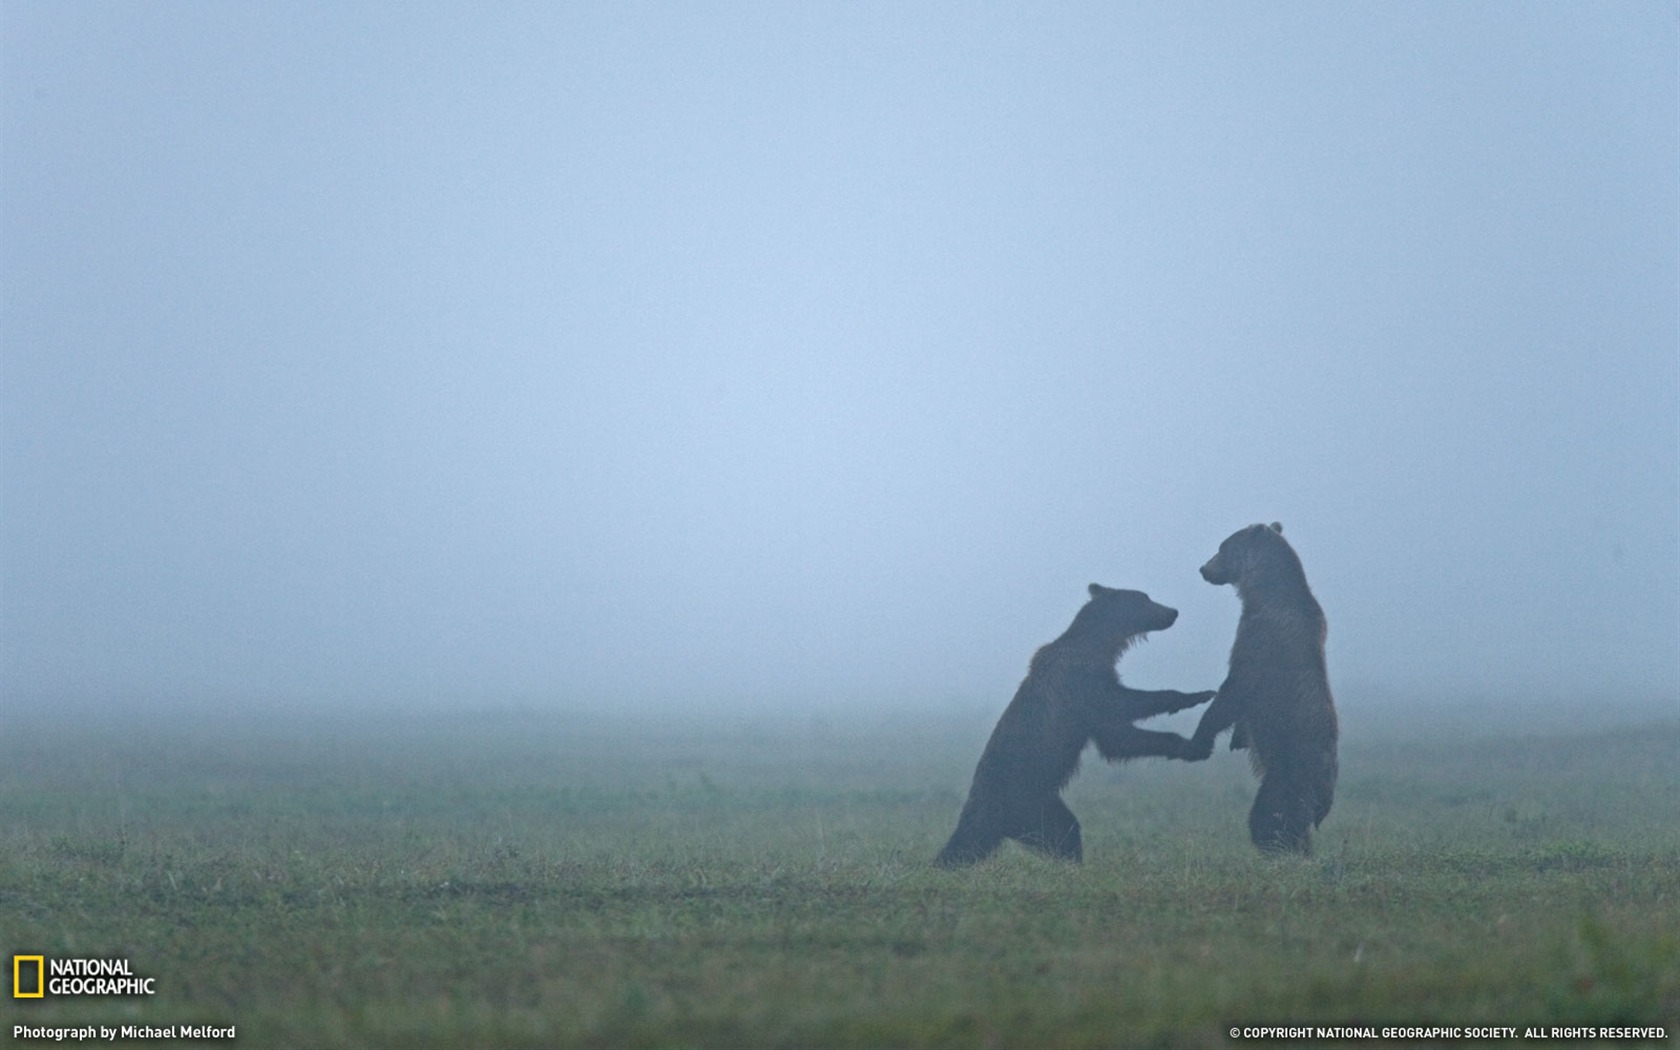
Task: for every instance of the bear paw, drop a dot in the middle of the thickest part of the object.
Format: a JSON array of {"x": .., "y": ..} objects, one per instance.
[
  {"x": 1193, "y": 699},
  {"x": 1196, "y": 750}
]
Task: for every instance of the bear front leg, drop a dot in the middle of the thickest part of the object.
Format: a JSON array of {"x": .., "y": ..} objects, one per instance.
[
  {"x": 1147, "y": 703},
  {"x": 1219, "y": 716},
  {"x": 1239, "y": 735},
  {"x": 1118, "y": 742}
]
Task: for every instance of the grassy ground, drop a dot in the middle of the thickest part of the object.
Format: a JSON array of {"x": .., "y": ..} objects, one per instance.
[{"x": 533, "y": 880}]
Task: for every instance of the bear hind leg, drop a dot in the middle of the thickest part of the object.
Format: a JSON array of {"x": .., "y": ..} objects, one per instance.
[
  {"x": 1281, "y": 820},
  {"x": 1046, "y": 825},
  {"x": 974, "y": 840}
]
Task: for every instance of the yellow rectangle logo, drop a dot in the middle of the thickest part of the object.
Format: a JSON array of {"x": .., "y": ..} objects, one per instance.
[{"x": 40, "y": 962}]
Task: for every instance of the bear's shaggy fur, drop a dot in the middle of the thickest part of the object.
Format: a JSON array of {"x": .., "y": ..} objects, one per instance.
[
  {"x": 1071, "y": 695},
  {"x": 1277, "y": 694}
]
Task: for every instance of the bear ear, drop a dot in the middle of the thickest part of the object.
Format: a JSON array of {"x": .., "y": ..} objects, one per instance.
[
  {"x": 1277, "y": 527},
  {"x": 1096, "y": 589}
]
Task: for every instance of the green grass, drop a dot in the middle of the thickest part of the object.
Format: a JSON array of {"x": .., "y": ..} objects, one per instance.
[{"x": 527, "y": 880}]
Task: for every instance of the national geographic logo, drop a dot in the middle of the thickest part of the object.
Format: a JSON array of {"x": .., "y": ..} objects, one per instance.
[{"x": 36, "y": 977}]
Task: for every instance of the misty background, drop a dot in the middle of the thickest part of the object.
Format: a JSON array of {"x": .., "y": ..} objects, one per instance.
[{"x": 818, "y": 356}]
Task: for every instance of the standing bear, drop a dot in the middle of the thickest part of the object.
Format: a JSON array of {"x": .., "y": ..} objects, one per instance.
[
  {"x": 1072, "y": 695},
  {"x": 1277, "y": 694}
]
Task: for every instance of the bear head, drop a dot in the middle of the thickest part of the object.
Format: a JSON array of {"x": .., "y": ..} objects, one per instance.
[
  {"x": 1243, "y": 552},
  {"x": 1121, "y": 614}
]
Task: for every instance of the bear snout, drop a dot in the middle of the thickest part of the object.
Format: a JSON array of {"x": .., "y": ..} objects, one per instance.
[{"x": 1159, "y": 618}]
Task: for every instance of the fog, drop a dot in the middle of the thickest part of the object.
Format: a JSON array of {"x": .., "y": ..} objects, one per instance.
[{"x": 818, "y": 356}]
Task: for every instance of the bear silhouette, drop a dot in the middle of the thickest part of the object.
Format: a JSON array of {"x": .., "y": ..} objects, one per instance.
[
  {"x": 1071, "y": 696},
  {"x": 1276, "y": 697}
]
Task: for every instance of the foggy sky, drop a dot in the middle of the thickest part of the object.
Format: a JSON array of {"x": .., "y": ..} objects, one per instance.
[{"x": 813, "y": 354}]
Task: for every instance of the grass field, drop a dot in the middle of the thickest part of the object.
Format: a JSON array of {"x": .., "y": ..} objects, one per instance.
[{"x": 522, "y": 879}]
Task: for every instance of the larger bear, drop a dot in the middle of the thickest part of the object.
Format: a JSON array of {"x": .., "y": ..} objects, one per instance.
[
  {"x": 1071, "y": 696},
  {"x": 1276, "y": 697}
]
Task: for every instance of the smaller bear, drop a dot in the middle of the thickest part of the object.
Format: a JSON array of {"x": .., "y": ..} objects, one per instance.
[
  {"x": 1276, "y": 698},
  {"x": 1072, "y": 695}
]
